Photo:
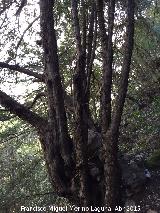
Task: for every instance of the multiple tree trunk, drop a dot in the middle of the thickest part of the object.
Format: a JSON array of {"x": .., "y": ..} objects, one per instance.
[{"x": 67, "y": 158}]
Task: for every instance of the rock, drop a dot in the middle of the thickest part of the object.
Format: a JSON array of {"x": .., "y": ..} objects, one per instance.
[
  {"x": 133, "y": 177},
  {"x": 133, "y": 174},
  {"x": 147, "y": 173}
]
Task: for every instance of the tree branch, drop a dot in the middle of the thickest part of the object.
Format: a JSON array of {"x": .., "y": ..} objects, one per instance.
[
  {"x": 81, "y": 107},
  {"x": 21, "y": 111},
  {"x": 92, "y": 41},
  {"x": 129, "y": 42},
  {"x": 23, "y": 3},
  {"x": 84, "y": 26},
  {"x": 29, "y": 26},
  {"x": 107, "y": 70},
  {"x": 38, "y": 96},
  {"x": 75, "y": 18},
  {"x": 22, "y": 70}
]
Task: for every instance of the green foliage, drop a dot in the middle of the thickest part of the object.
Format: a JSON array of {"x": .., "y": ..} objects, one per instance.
[
  {"x": 24, "y": 179},
  {"x": 140, "y": 125},
  {"x": 154, "y": 161}
]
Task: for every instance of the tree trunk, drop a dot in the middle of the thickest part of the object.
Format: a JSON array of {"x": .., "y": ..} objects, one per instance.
[
  {"x": 56, "y": 141},
  {"x": 74, "y": 169},
  {"x": 112, "y": 171}
]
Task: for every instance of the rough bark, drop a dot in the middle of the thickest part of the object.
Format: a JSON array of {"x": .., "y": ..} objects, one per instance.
[
  {"x": 107, "y": 71},
  {"x": 107, "y": 55},
  {"x": 123, "y": 85},
  {"x": 81, "y": 129},
  {"x": 53, "y": 79},
  {"x": 84, "y": 26},
  {"x": 91, "y": 47},
  {"x": 90, "y": 34},
  {"x": 112, "y": 172},
  {"x": 56, "y": 142}
]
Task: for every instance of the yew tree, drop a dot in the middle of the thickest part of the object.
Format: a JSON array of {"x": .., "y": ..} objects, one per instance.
[{"x": 82, "y": 112}]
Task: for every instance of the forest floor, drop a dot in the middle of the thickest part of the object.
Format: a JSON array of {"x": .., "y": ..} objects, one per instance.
[{"x": 149, "y": 199}]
